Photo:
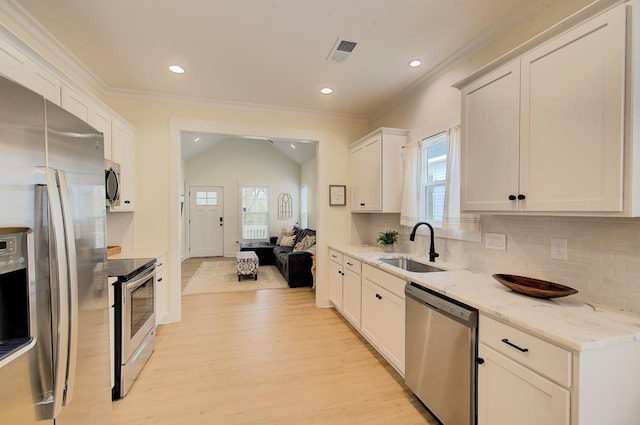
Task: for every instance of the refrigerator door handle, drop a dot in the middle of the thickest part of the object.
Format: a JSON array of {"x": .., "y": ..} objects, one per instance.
[
  {"x": 72, "y": 265},
  {"x": 62, "y": 332}
]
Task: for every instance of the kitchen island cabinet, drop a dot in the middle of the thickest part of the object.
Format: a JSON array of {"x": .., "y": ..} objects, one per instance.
[{"x": 545, "y": 132}]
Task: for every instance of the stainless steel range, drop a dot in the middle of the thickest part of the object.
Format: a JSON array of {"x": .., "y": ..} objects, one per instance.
[{"x": 135, "y": 319}]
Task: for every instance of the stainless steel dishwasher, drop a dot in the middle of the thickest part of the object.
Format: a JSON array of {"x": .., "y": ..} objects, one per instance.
[{"x": 441, "y": 354}]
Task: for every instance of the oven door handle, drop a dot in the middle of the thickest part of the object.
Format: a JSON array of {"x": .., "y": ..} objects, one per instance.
[{"x": 132, "y": 286}]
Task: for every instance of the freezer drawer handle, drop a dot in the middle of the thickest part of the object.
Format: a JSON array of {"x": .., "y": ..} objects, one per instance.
[{"x": 511, "y": 344}]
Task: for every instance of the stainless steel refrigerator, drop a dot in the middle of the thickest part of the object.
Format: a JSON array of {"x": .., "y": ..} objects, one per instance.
[{"x": 54, "y": 324}]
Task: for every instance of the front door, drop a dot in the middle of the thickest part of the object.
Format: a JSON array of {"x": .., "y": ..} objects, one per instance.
[{"x": 206, "y": 221}]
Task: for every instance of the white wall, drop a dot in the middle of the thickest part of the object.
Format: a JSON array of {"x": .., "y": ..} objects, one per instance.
[
  {"x": 308, "y": 176},
  {"x": 235, "y": 162}
]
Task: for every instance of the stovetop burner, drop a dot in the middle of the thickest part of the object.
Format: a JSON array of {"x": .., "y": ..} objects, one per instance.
[{"x": 125, "y": 269}]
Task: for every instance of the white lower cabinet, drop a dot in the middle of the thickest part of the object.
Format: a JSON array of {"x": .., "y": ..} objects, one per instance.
[
  {"x": 161, "y": 289},
  {"x": 509, "y": 393},
  {"x": 351, "y": 291},
  {"x": 522, "y": 379},
  {"x": 335, "y": 279},
  {"x": 383, "y": 322}
]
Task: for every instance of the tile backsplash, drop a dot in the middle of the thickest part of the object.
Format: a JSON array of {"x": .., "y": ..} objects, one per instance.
[{"x": 603, "y": 254}]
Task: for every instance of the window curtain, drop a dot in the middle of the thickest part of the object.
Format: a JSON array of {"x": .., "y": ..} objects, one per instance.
[
  {"x": 409, "y": 209},
  {"x": 453, "y": 218}
]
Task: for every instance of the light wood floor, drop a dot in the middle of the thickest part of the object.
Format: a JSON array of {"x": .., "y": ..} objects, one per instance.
[{"x": 265, "y": 357}]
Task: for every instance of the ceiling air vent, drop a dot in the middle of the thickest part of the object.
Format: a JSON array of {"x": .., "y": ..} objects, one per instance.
[{"x": 342, "y": 50}]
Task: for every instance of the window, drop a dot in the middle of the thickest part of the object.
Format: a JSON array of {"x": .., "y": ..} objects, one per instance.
[
  {"x": 440, "y": 187},
  {"x": 434, "y": 160},
  {"x": 207, "y": 198},
  {"x": 255, "y": 212}
]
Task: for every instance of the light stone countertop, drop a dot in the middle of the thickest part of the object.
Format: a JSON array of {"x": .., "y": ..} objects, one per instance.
[
  {"x": 568, "y": 321},
  {"x": 137, "y": 254}
]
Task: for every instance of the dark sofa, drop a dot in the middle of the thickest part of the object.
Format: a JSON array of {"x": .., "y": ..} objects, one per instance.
[{"x": 295, "y": 266}]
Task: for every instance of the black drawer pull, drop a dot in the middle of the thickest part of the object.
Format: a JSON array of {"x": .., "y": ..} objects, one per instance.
[
  {"x": 512, "y": 197},
  {"x": 349, "y": 264},
  {"x": 506, "y": 341},
  {"x": 521, "y": 197},
  {"x": 362, "y": 204}
]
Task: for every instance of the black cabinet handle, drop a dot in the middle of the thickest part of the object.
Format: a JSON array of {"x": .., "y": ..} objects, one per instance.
[
  {"x": 159, "y": 280},
  {"x": 349, "y": 264},
  {"x": 362, "y": 204},
  {"x": 480, "y": 360},
  {"x": 511, "y": 344},
  {"x": 378, "y": 296},
  {"x": 512, "y": 197},
  {"x": 127, "y": 202},
  {"x": 521, "y": 197}
]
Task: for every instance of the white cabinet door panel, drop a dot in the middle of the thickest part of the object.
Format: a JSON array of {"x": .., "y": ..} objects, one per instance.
[
  {"x": 509, "y": 393},
  {"x": 572, "y": 127},
  {"x": 335, "y": 284},
  {"x": 351, "y": 297},
  {"x": 490, "y": 117}
]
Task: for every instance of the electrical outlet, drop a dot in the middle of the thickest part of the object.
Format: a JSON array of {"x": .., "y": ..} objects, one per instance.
[
  {"x": 559, "y": 249},
  {"x": 497, "y": 241}
]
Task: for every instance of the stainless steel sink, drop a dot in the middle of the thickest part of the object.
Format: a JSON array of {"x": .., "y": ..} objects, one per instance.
[{"x": 410, "y": 265}]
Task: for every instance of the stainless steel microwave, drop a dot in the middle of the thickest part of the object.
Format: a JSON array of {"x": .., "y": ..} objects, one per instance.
[{"x": 112, "y": 183}]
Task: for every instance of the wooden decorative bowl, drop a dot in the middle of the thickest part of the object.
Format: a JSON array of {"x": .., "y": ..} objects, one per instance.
[{"x": 534, "y": 287}]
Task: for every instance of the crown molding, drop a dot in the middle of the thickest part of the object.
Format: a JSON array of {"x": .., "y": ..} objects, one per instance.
[{"x": 23, "y": 18}]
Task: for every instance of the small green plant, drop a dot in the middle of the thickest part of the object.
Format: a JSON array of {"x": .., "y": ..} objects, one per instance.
[{"x": 389, "y": 237}]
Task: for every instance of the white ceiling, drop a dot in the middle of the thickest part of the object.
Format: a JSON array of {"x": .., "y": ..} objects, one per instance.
[
  {"x": 271, "y": 52},
  {"x": 299, "y": 151}
]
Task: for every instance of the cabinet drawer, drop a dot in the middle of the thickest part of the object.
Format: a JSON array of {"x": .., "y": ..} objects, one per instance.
[
  {"x": 539, "y": 355},
  {"x": 352, "y": 264},
  {"x": 335, "y": 256},
  {"x": 391, "y": 283}
]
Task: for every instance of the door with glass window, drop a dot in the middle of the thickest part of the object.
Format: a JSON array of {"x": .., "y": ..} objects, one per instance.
[{"x": 206, "y": 221}]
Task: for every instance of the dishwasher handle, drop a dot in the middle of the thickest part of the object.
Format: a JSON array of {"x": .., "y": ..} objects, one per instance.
[{"x": 449, "y": 307}]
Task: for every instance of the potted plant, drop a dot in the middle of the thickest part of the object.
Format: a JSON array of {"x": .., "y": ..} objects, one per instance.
[{"x": 388, "y": 239}]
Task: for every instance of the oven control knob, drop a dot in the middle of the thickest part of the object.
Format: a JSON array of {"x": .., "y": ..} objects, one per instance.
[{"x": 480, "y": 360}]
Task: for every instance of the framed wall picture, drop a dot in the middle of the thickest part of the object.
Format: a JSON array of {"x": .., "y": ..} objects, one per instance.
[{"x": 337, "y": 195}]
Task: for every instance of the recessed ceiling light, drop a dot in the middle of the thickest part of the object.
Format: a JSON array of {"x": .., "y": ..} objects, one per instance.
[
  {"x": 415, "y": 63},
  {"x": 177, "y": 69},
  {"x": 292, "y": 145},
  {"x": 326, "y": 90},
  {"x": 197, "y": 139}
]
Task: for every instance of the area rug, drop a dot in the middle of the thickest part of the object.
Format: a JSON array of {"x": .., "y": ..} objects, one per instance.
[{"x": 221, "y": 276}]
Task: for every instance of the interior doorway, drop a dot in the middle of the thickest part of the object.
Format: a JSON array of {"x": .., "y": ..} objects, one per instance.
[{"x": 206, "y": 221}]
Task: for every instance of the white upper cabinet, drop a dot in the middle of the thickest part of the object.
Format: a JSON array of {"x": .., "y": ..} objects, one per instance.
[
  {"x": 376, "y": 171},
  {"x": 490, "y": 150},
  {"x": 17, "y": 66},
  {"x": 545, "y": 132},
  {"x": 572, "y": 121},
  {"x": 90, "y": 112},
  {"x": 123, "y": 151}
]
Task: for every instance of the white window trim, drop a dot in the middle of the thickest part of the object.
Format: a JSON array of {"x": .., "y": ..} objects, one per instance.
[
  {"x": 242, "y": 185},
  {"x": 437, "y": 127}
]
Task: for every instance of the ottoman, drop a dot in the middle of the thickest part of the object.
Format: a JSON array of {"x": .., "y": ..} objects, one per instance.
[{"x": 247, "y": 264}]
